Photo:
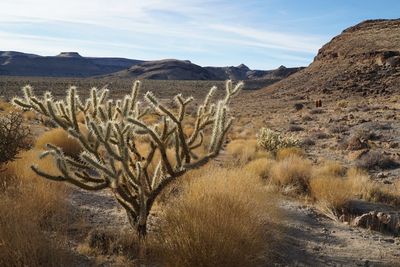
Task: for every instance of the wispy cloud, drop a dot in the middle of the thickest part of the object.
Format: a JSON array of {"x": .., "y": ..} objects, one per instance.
[{"x": 209, "y": 32}]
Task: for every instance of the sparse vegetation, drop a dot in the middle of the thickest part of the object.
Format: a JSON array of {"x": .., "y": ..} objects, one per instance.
[
  {"x": 292, "y": 172},
  {"x": 228, "y": 224},
  {"x": 273, "y": 141},
  {"x": 14, "y": 136},
  {"x": 115, "y": 131},
  {"x": 30, "y": 207}
]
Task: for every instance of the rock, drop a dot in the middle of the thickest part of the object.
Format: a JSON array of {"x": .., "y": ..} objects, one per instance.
[{"x": 379, "y": 221}]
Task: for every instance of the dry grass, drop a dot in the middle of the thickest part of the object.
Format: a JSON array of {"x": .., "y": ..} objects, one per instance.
[
  {"x": 329, "y": 169},
  {"x": 292, "y": 171},
  {"x": 29, "y": 115},
  {"x": 259, "y": 167},
  {"x": 244, "y": 151},
  {"x": 30, "y": 207},
  {"x": 219, "y": 220},
  {"x": 59, "y": 138},
  {"x": 6, "y": 106},
  {"x": 288, "y": 152},
  {"x": 333, "y": 192}
]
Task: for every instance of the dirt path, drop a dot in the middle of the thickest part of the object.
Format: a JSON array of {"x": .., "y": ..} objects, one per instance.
[
  {"x": 310, "y": 238},
  {"x": 314, "y": 240}
]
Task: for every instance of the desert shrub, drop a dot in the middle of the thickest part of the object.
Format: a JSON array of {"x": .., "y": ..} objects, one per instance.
[
  {"x": 375, "y": 160},
  {"x": 372, "y": 191},
  {"x": 14, "y": 136},
  {"x": 298, "y": 106},
  {"x": 329, "y": 169},
  {"x": 293, "y": 172},
  {"x": 272, "y": 141},
  {"x": 331, "y": 191},
  {"x": 60, "y": 138},
  {"x": 259, "y": 167},
  {"x": 243, "y": 151},
  {"x": 295, "y": 128},
  {"x": 116, "y": 128},
  {"x": 319, "y": 134},
  {"x": 111, "y": 242},
  {"x": 307, "y": 118},
  {"x": 288, "y": 152},
  {"x": 342, "y": 104},
  {"x": 6, "y": 106},
  {"x": 338, "y": 128},
  {"x": 379, "y": 194},
  {"x": 29, "y": 209},
  {"x": 307, "y": 142},
  {"x": 220, "y": 225}
]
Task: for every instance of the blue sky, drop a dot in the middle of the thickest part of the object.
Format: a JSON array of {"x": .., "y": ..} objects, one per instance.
[{"x": 262, "y": 34}]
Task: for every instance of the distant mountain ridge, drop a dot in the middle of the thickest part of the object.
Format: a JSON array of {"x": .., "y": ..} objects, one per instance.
[
  {"x": 66, "y": 64},
  {"x": 72, "y": 64}
]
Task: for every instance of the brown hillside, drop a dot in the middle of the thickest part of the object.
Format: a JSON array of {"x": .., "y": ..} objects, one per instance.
[{"x": 362, "y": 60}]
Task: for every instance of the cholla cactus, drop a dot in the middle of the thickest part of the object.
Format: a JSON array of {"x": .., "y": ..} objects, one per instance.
[
  {"x": 111, "y": 158},
  {"x": 273, "y": 141}
]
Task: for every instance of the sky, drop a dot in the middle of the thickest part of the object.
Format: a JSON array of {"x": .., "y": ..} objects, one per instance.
[{"x": 263, "y": 34}]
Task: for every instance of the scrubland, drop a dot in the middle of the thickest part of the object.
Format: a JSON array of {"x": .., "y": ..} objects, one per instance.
[{"x": 233, "y": 212}]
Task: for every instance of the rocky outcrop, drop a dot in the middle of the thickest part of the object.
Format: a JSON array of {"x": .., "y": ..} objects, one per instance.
[
  {"x": 363, "y": 59},
  {"x": 242, "y": 72}
]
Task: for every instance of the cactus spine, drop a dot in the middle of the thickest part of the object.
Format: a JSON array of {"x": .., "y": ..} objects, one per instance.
[{"x": 111, "y": 159}]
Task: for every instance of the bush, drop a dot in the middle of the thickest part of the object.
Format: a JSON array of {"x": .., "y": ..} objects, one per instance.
[
  {"x": 333, "y": 192},
  {"x": 219, "y": 225},
  {"x": 272, "y": 141},
  {"x": 329, "y": 169},
  {"x": 243, "y": 151},
  {"x": 295, "y": 128},
  {"x": 376, "y": 161},
  {"x": 60, "y": 138},
  {"x": 288, "y": 152},
  {"x": 13, "y": 136},
  {"x": 30, "y": 208},
  {"x": 259, "y": 167},
  {"x": 292, "y": 171}
]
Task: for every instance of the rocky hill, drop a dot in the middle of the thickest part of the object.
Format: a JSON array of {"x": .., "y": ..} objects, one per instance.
[
  {"x": 71, "y": 64},
  {"x": 172, "y": 69},
  {"x": 66, "y": 64},
  {"x": 242, "y": 72},
  {"x": 363, "y": 59},
  {"x": 167, "y": 69}
]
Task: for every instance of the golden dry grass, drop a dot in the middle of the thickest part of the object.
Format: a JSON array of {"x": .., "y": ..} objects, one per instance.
[
  {"x": 29, "y": 207},
  {"x": 288, "y": 152},
  {"x": 243, "y": 151},
  {"x": 329, "y": 168},
  {"x": 6, "y": 106},
  {"x": 219, "y": 220},
  {"x": 29, "y": 115},
  {"x": 292, "y": 171},
  {"x": 259, "y": 167},
  {"x": 333, "y": 192},
  {"x": 60, "y": 138}
]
